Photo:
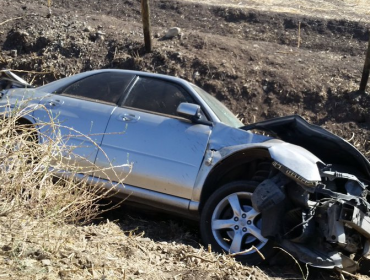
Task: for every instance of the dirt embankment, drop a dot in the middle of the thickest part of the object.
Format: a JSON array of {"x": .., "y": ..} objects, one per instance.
[{"x": 261, "y": 64}]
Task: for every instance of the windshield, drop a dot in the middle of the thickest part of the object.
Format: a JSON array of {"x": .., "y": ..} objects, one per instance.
[{"x": 218, "y": 108}]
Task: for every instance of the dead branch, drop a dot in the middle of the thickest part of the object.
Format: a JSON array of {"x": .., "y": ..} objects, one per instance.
[
  {"x": 198, "y": 257},
  {"x": 1, "y": 23},
  {"x": 247, "y": 251}
]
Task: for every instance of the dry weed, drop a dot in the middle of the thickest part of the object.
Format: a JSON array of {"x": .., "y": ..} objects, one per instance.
[{"x": 35, "y": 204}]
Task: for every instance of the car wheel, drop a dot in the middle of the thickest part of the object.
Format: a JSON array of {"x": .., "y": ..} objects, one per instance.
[{"x": 230, "y": 224}]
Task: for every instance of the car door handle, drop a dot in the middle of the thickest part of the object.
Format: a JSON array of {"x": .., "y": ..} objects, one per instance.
[
  {"x": 54, "y": 103},
  {"x": 129, "y": 118}
]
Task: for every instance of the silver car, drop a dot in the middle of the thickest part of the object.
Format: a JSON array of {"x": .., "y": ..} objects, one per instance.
[{"x": 304, "y": 189}]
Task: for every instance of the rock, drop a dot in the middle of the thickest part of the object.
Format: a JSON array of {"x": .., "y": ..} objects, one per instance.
[
  {"x": 172, "y": 32},
  {"x": 88, "y": 29},
  {"x": 99, "y": 38},
  {"x": 46, "y": 262},
  {"x": 6, "y": 248},
  {"x": 28, "y": 262},
  {"x": 138, "y": 272}
]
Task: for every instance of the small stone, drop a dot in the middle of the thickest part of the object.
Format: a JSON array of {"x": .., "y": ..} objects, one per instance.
[
  {"x": 172, "y": 32},
  {"x": 6, "y": 248},
  {"x": 28, "y": 262},
  {"x": 99, "y": 38},
  {"x": 46, "y": 262},
  {"x": 138, "y": 272},
  {"x": 88, "y": 29},
  {"x": 24, "y": 33}
]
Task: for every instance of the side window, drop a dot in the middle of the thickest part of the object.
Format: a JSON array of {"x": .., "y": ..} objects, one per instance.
[
  {"x": 157, "y": 96},
  {"x": 107, "y": 87}
]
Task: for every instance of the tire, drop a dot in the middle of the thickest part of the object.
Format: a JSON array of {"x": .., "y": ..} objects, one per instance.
[{"x": 221, "y": 222}]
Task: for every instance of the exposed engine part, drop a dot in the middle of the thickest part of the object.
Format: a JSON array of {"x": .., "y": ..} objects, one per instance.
[
  {"x": 332, "y": 175},
  {"x": 298, "y": 225},
  {"x": 298, "y": 195},
  {"x": 355, "y": 218},
  {"x": 269, "y": 193},
  {"x": 353, "y": 188},
  {"x": 345, "y": 237},
  {"x": 335, "y": 232},
  {"x": 358, "y": 201}
]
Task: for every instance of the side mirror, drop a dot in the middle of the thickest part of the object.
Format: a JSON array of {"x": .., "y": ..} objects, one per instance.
[
  {"x": 192, "y": 113},
  {"x": 189, "y": 111}
]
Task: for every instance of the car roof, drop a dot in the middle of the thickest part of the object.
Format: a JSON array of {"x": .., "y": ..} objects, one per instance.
[{"x": 53, "y": 86}]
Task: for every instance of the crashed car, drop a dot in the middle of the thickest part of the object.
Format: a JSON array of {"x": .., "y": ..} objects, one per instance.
[{"x": 294, "y": 186}]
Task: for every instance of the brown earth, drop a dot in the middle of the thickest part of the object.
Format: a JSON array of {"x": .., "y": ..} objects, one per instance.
[{"x": 261, "y": 63}]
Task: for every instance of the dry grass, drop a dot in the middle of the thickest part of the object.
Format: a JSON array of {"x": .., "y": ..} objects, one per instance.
[
  {"x": 28, "y": 183},
  {"x": 33, "y": 202}
]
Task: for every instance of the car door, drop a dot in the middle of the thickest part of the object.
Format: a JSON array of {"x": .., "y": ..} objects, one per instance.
[
  {"x": 166, "y": 150},
  {"x": 80, "y": 113}
]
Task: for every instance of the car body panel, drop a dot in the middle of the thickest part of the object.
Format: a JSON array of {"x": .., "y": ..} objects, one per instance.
[
  {"x": 21, "y": 101},
  {"x": 166, "y": 152},
  {"x": 81, "y": 123}
]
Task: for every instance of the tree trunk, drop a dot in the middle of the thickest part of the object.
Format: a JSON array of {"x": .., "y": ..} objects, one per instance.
[
  {"x": 145, "y": 12},
  {"x": 366, "y": 71}
]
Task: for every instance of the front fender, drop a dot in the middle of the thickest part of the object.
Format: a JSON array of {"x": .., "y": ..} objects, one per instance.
[
  {"x": 290, "y": 156},
  {"x": 295, "y": 161}
]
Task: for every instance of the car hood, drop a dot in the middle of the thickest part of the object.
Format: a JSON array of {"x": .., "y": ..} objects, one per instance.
[
  {"x": 225, "y": 136},
  {"x": 325, "y": 145}
]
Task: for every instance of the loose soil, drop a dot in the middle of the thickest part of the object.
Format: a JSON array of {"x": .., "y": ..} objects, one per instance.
[{"x": 261, "y": 62}]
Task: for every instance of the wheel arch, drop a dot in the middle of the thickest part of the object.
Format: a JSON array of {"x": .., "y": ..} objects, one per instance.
[
  {"x": 26, "y": 122},
  {"x": 241, "y": 165},
  {"x": 296, "y": 162}
]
